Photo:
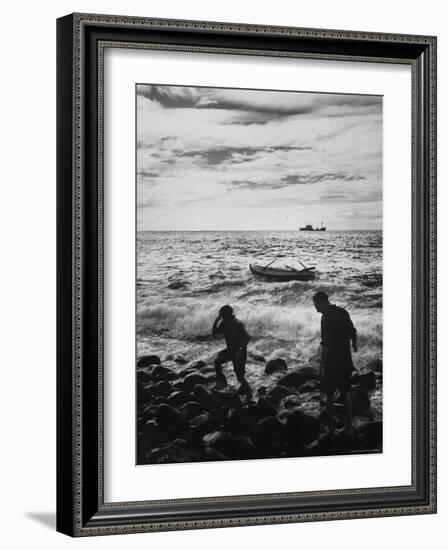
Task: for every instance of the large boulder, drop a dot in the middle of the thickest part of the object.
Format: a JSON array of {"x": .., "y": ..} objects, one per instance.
[
  {"x": 309, "y": 373},
  {"x": 177, "y": 398},
  {"x": 292, "y": 379},
  {"x": 311, "y": 385},
  {"x": 275, "y": 365},
  {"x": 266, "y": 407},
  {"x": 191, "y": 380},
  {"x": 225, "y": 398},
  {"x": 161, "y": 388},
  {"x": 301, "y": 428},
  {"x": 278, "y": 393},
  {"x": 191, "y": 409},
  {"x": 241, "y": 421},
  {"x": 202, "y": 423},
  {"x": 143, "y": 376},
  {"x": 204, "y": 396},
  {"x": 161, "y": 372},
  {"x": 174, "y": 451},
  {"x": 148, "y": 360},
  {"x": 186, "y": 372},
  {"x": 221, "y": 441},
  {"x": 168, "y": 416},
  {"x": 268, "y": 429},
  {"x": 149, "y": 427}
]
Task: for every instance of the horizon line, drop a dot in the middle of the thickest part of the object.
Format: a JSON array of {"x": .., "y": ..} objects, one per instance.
[{"x": 246, "y": 230}]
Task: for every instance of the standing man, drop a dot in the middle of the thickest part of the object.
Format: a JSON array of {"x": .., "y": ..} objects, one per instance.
[
  {"x": 336, "y": 366},
  {"x": 236, "y": 338}
]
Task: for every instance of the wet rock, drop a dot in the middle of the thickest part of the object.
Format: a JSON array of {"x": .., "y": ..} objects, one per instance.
[
  {"x": 204, "y": 396},
  {"x": 202, "y": 423},
  {"x": 185, "y": 372},
  {"x": 169, "y": 357},
  {"x": 175, "y": 451},
  {"x": 292, "y": 401},
  {"x": 192, "y": 380},
  {"x": 275, "y": 365},
  {"x": 262, "y": 391},
  {"x": 370, "y": 434},
  {"x": 224, "y": 398},
  {"x": 244, "y": 448},
  {"x": 142, "y": 394},
  {"x": 301, "y": 428},
  {"x": 143, "y": 376},
  {"x": 148, "y": 360},
  {"x": 268, "y": 429},
  {"x": 292, "y": 379},
  {"x": 180, "y": 359},
  {"x": 360, "y": 399},
  {"x": 161, "y": 388},
  {"x": 162, "y": 372},
  {"x": 150, "y": 427},
  {"x": 177, "y": 386},
  {"x": 221, "y": 441},
  {"x": 365, "y": 378},
  {"x": 168, "y": 416},
  {"x": 265, "y": 407},
  {"x": 309, "y": 373},
  {"x": 241, "y": 421},
  {"x": 278, "y": 393},
  {"x": 338, "y": 410},
  {"x": 191, "y": 409},
  {"x": 177, "y": 398},
  {"x": 311, "y": 385}
]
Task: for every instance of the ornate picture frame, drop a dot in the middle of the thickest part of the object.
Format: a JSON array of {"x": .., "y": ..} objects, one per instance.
[{"x": 81, "y": 506}]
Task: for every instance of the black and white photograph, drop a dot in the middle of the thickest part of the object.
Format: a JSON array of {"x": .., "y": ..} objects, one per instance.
[{"x": 259, "y": 274}]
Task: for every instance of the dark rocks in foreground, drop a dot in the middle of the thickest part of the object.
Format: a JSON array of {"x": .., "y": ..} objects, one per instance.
[
  {"x": 148, "y": 360},
  {"x": 182, "y": 418},
  {"x": 275, "y": 365}
]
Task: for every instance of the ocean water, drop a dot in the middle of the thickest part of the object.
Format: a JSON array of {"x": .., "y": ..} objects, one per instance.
[{"x": 183, "y": 278}]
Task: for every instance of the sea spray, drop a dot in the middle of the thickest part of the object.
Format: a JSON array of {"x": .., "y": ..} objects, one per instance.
[{"x": 185, "y": 277}]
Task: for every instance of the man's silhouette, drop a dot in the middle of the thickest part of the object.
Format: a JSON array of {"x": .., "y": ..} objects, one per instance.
[
  {"x": 336, "y": 367},
  {"x": 236, "y": 338}
]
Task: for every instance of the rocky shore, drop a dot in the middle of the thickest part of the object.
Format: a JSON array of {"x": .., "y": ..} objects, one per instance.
[{"x": 182, "y": 418}]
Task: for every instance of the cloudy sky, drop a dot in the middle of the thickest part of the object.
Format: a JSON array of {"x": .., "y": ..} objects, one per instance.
[{"x": 230, "y": 159}]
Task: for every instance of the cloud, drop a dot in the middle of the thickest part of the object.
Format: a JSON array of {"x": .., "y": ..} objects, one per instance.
[
  {"x": 212, "y": 158},
  {"x": 262, "y": 104}
]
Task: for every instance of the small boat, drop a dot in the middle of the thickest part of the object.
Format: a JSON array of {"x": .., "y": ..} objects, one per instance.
[{"x": 283, "y": 274}]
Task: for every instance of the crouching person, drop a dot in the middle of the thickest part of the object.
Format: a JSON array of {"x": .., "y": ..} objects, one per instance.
[{"x": 236, "y": 338}]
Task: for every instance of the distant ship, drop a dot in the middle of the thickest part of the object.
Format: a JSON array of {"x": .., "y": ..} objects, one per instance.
[{"x": 309, "y": 227}]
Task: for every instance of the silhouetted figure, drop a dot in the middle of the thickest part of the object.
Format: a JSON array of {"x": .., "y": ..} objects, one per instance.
[
  {"x": 336, "y": 367},
  {"x": 236, "y": 338}
]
